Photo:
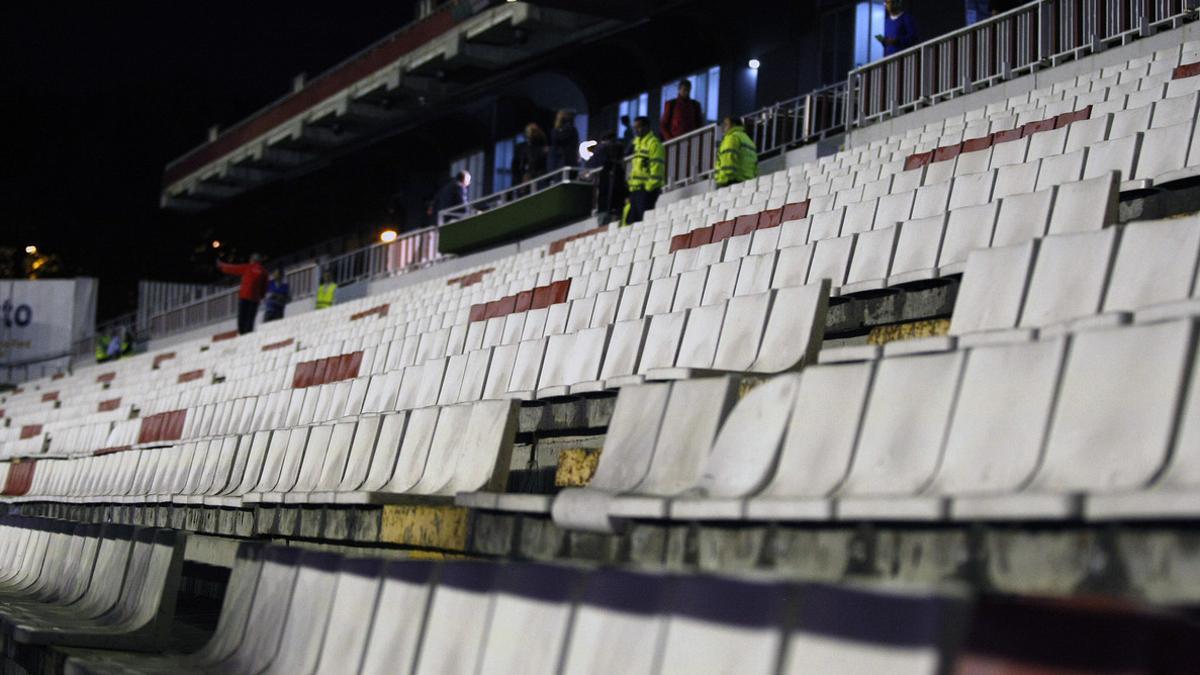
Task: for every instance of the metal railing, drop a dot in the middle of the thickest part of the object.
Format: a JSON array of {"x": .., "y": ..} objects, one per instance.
[
  {"x": 409, "y": 252},
  {"x": 794, "y": 122},
  {"x": 219, "y": 305},
  {"x": 1040, "y": 34},
  {"x": 690, "y": 157},
  {"x": 567, "y": 174}
]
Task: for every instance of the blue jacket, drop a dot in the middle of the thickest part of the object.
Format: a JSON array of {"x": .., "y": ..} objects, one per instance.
[
  {"x": 901, "y": 32},
  {"x": 278, "y": 294}
]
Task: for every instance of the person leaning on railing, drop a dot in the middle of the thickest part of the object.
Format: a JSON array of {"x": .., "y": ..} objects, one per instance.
[
  {"x": 737, "y": 158},
  {"x": 648, "y": 172}
]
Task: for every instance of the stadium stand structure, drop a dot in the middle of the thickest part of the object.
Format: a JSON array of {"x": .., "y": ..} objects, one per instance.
[{"x": 701, "y": 388}]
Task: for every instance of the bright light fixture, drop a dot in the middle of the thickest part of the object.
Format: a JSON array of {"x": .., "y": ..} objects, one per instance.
[
  {"x": 585, "y": 150},
  {"x": 754, "y": 64},
  {"x": 31, "y": 249},
  {"x": 388, "y": 236},
  {"x": 216, "y": 243}
]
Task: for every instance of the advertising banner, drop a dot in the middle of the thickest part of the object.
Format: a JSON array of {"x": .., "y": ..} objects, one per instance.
[{"x": 41, "y": 320}]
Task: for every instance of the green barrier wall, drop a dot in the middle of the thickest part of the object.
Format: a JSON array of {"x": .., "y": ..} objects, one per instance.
[{"x": 559, "y": 205}]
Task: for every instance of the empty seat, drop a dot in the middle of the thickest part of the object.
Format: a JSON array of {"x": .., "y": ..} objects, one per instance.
[
  {"x": 819, "y": 444},
  {"x": 743, "y": 455},
  {"x": 632, "y": 433},
  {"x": 1069, "y": 278},
  {"x": 1007, "y": 391},
  {"x": 723, "y": 625},
  {"x": 1156, "y": 264},
  {"x": 1099, "y": 440},
  {"x": 993, "y": 288},
  {"x": 899, "y": 446}
]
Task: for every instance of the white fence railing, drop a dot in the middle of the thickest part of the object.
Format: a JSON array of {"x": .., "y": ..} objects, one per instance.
[
  {"x": 409, "y": 251},
  {"x": 567, "y": 174},
  {"x": 1040, "y": 34},
  {"x": 798, "y": 121}
]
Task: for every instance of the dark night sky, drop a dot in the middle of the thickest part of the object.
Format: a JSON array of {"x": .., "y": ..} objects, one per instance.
[{"x": 98, "y": 97}]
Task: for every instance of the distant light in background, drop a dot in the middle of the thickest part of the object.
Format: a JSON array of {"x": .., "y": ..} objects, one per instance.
[
  {"x": 754, "y": 64},
  {"x": 216, "y": 243},
  {"x": 31, "y": 249},
  {"x": 388, "y": 236},
  {"x": 585, "y": 150}
]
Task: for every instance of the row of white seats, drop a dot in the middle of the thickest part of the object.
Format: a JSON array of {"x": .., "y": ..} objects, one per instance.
[
  {"x": 293, "y": 611},
  {"x": 369, "y": 458},
  {"x": 1102, "y": 424}
]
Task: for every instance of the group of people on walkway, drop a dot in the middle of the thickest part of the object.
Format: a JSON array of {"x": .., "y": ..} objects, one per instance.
[
  {"x": 628, "y": 192},
  {"x": 273, "y": 292},
  {"x": 736, "y": 160}
]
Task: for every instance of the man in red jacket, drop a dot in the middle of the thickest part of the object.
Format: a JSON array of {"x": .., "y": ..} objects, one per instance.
[
  {"x": 681, "y": 114},
  {"x": 252, "y": 290}
]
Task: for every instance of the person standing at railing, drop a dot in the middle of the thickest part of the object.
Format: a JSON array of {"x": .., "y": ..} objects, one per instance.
[
  {"x": 899, "y": 28},
  {"x": 564, "y": 142},
  {"x": 251, "y": 291},
  {"x": 737, "y": 158},
  {"x": 531, "y": 157},
  {"x": 454, "y": 193},
  {"x": 279, "y": 294},
  {"x": 682, "y": 114},
  {"x": 326, "y": 292},
  {"x": 608, "y": 166},
  {"x": 648, "y": 172}
]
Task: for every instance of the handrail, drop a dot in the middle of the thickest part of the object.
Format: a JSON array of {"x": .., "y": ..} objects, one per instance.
[
  {"x": 797, "y": 121},
  {"x": 1017, "y": 42},
  {"x": 410, "y": 251},
  {"x": 567, "y": 174}
]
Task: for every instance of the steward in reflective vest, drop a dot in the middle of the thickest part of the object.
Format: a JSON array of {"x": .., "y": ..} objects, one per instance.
[
  {"x": 648, "y": 172},
  {"x": 326, "y": 292},
  {"x": 737, "y": 158}
]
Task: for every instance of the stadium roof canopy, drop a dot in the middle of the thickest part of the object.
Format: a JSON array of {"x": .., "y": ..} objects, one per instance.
[{"x": 385, "y": 86}]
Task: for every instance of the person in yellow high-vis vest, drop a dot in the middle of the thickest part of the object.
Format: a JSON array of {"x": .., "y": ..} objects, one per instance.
[
  {"x": 737, "y": 158},
  {"x": 649, "y": 170},
  {"x": 326, "y": 292}
]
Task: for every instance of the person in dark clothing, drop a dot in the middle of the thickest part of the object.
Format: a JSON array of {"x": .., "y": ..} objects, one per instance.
[
  {"x": 251, "y": 290},
  {"x": 564, "y": 142},
  {"x": 397, "y": 211},
  {"x": 454, "y": 193},
  {"x": 681, "y": 114},
  {"x": 279, "y": 294},
  {"x": 899, "y": 28},
  {"x": 532, "y": 159},
  {"x": 608, "y": 166},
  {"x": 627, "y": 139}
]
